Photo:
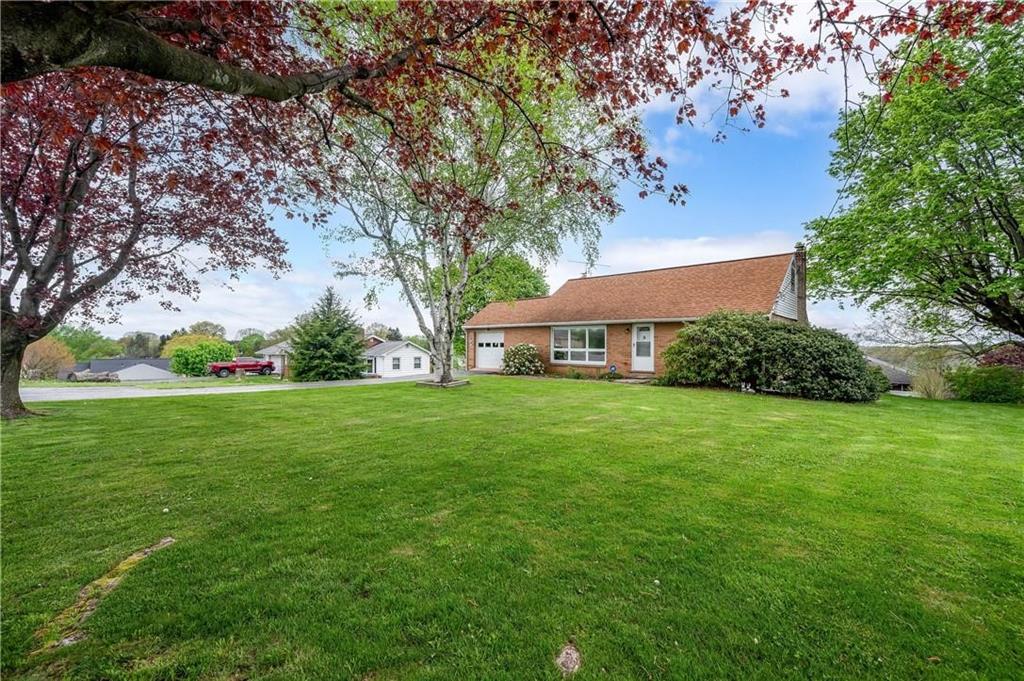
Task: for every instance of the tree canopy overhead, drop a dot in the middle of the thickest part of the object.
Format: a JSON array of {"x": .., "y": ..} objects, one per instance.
[{"x": 931, "y": 215}]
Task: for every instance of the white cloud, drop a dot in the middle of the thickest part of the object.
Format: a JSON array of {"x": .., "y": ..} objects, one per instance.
[
  {"x": 811, "y": 94},
  {"x": 258, "y": 300}
]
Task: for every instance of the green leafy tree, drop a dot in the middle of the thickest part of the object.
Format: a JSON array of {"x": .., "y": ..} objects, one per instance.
[
  {"x": 250, "y": 343},
  {"x": 192, "y": 360},
  {"x": 141, "y": 344},
  {"x": 85, "y": 342},
  {"x": 205, "y": 328},
  {"x": 187, "y": 340},
  {"x": 327, "y": 344},
  {"x": 932, "y": 212},
  {"x": 504, "y": 278}
]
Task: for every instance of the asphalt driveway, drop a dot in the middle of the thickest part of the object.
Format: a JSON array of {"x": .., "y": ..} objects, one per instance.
[{"x": 111, "y": 392}]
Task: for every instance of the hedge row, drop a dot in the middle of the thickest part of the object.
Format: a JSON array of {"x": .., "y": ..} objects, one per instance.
[{"x": 747, "y": 351}]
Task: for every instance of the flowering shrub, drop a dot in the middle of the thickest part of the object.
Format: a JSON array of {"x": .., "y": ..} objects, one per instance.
[{"x": 522, "y": 359}]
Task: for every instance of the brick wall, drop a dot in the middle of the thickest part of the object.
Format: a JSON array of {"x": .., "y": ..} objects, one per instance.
[{"x": 619, "y": 346}]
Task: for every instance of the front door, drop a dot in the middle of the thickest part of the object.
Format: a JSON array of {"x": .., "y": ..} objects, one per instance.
[{"x": 643, "y": 347}]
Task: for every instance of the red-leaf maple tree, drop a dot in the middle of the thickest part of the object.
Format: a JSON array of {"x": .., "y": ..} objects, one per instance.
[{"x": 134, "y": 130}]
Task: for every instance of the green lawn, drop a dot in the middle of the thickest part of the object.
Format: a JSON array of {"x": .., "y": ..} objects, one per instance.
[{"x": 395, "y": 532}]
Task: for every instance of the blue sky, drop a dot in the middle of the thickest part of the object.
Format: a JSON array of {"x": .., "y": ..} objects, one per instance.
[{"x": 750, "y": 195}]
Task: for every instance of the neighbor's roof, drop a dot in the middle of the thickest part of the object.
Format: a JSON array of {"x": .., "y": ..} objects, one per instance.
[
  {"x": 387, "y": 347},
  {"x": 103, "y": 365},
  {"x": 895, "y": 374},
  {"x": 672, "y": 293},
  {"x": 282, "y": 348}
]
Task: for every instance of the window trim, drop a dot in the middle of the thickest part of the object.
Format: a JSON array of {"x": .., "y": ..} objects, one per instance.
[
  {"x": 417, "y": 362},
  {"x": 551, "y": 345},
  {"x": 398, "y": 360}
]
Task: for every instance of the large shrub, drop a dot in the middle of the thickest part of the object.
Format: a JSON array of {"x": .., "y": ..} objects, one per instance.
[
  {"x": 192, "y": 360},
  {"x": 816, "y": 363},
  {"x": 996, "y": 383},
  {"x": 734, "y": 350},
  {"x": 522, "y": 359},
  {"x": 717, "y": 350},
  {"x": 1008, "y": 354}
]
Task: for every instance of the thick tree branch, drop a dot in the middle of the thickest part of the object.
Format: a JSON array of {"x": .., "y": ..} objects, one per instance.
[{"x": 42, "y": 37}]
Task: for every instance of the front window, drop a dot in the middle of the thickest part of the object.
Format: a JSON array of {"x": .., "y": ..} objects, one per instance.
[
  {"x": 417, "y": 362},
  {"x": 396, "y": 363},
  {"x": 579, "y": 344}
]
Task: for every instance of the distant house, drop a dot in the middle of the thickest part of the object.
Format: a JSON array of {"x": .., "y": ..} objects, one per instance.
[
  {"x": 623, "y": 322},
  {"x": 899, "y": 378},
  {"x": 276, "y": 353},
  {"x": 396, "y": 358},
  {"x": 383, "y": 357},
  {"x": 126, "y": 368}
]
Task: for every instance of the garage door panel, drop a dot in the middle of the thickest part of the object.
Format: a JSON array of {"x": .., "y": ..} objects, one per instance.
[{"x": 490, "y": 349}]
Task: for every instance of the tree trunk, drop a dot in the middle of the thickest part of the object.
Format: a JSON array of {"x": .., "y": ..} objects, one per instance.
[
  {"x": 11, "y": 406},
  {"x": 443, "y": 354}
]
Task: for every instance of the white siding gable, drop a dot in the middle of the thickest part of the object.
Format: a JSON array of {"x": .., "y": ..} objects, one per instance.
[{"x": 786, "y": 300}]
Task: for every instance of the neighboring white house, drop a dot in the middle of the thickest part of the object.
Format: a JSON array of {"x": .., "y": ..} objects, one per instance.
[
  {"x": 397, "y": 358},
  {"x": 277, "y": 353}
]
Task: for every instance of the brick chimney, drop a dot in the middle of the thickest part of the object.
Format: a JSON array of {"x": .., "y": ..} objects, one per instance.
[{"x": 800, "y": 272}]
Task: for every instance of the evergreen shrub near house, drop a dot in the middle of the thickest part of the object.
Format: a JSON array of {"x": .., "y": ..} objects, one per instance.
[
  {"x": 522, "y": 359},
  {"x": 737, "y": 350},
  {"x": 717, "y": 350},
  {"x": 192, "y": 360},
  {"x": 993, "y": 383}
]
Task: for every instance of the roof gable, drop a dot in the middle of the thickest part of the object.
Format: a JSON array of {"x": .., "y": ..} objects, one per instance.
[
  {"x": 672, "y": 293},
  {"x": 387, "y": 347}
]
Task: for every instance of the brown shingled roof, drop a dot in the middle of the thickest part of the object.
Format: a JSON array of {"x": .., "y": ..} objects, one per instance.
[{"x": 687, "y": 292}]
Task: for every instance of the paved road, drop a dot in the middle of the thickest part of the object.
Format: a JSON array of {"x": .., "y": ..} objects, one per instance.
[{"x": 110, "y": 392}]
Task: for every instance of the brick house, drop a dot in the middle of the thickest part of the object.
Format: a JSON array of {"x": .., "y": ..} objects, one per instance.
[{"x": 626, "y": 320}]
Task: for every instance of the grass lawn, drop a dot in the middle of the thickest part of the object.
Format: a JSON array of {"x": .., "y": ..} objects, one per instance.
[
  {"x": 397, "y": 532},
  {"x": 194, "y": 382}
]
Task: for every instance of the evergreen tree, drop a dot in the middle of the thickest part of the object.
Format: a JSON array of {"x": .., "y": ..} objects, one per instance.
[{"x": 326, "y": 345}]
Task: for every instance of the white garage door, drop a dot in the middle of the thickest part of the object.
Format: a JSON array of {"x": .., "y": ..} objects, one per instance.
[{"x": 490, "y": 349}]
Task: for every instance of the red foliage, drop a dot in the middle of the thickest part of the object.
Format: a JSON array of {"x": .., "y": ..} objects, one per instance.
[
  {"x": 105, "y": 170},
  {"x": 1008, "y": 354}
]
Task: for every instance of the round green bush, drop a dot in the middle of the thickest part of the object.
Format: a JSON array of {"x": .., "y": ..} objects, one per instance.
[
  {"x": 192, "y": 361},
  {"x": 716, "y": 350},
  {"x": 814, "y": 363},
  {"x": 522, "y": 359},
  {"x": 994, "y": 383},
  {"x": 736, "y": 350}
]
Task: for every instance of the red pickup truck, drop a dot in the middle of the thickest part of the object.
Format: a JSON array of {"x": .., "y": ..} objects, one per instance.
[{"x": 249, "y": 365}]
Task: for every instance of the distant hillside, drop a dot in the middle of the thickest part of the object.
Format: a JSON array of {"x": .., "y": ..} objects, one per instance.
[{"x": 915, "y": 358}]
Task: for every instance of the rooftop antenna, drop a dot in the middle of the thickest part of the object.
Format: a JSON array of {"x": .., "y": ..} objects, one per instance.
[{"x": 589, "y": 267}]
